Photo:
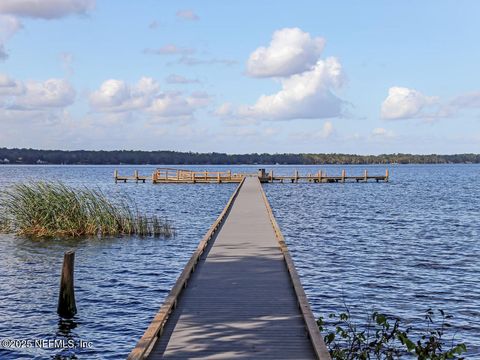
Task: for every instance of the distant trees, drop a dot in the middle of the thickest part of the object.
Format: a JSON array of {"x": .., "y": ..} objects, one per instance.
[{"x": 135, "y": 157}]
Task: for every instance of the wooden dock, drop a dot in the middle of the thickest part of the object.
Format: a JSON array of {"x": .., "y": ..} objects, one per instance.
[
  {"x": 182, "y": 176},
  {"x": 239, "y": 296}
]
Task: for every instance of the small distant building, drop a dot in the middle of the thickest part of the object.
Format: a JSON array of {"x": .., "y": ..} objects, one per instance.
[
  {"x": 5, "y": 161},
  {"x": 40, "y": 162}
]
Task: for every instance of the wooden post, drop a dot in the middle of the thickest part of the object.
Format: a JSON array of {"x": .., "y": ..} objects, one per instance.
[
  {"x": 193, "y": 177},
  {"x": 386, "y": 175},
  {"x": 206, "y": 175},
  {"x": 343, "y": 175},
  {"x": 115, "y": 175},
  {"x": 296, "y": 176},
  {"x": 66, "y": 300},
  {"x": 218, "y": 177},
  {"x": 135, "y": 175},
  {"x": 271, "y": 176},
  {"x": 365, "y": 175}
]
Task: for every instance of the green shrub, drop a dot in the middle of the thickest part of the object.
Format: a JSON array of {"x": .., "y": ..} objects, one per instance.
[{"x": 383, "y": 338}]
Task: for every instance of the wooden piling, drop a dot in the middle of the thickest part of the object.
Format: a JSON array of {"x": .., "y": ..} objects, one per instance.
[
  {"x": 115, "y": 175},
  {"x": 386, "y": 175},
  {"x": 66, "y": 300},
  {"x": 135, "y": 175},
  {"x": 365, "y": 176},
  {"x": 296, "y": 176},
  {"x": 343, "y": 175}
]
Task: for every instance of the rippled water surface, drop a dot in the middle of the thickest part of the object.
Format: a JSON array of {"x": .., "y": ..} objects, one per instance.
[{"x": 400, "y": 248}]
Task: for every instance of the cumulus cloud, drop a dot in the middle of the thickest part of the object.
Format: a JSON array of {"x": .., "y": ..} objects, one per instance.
[
  {"x": 308, "y": 83},
  {"x": 33, "y": 95},
  {"x": 117, "y": 96},
  {"x": 46, "y": 9},
  {"x": 188, "y": 15},
  {"x": 170, "y": 49},
  {"x": 405, "y": 103},
  {"x": 52, "y": 93},
  {"x": 291, "y": 51},
  {"x": 307, "y": 95}
]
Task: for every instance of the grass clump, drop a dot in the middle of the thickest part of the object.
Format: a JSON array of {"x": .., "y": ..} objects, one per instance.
[{"x": 44, "y": 209}]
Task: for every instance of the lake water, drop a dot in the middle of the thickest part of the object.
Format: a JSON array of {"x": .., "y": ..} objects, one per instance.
[{"x": 398, "y": 247}]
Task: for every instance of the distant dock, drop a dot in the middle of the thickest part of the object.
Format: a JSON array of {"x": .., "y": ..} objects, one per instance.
[{"x": 181, "y": 176}]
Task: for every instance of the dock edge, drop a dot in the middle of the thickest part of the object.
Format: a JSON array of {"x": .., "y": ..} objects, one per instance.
[
  {"x": 154, "y": 331},
  {"x": 311, "y": 326}
]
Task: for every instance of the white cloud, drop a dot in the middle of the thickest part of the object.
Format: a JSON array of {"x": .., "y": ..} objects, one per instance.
[
  {"x": 170, "y": 49},
  {"x": 9, "y": 25},
  {"x": 291, "y": 51},
  {"x": 116, "y": 96},
  {"x": 325, "y": 132},
  {"x": 33, "y": 95},
  {"x": 405, "y": 103},
  {"x": 175, "y": 105},
  {"x": 188, "y": 15},
  {"x": 382, "y": 133},
  {"x": 303, "y": 96},
  {"x": 52, "y": 93},
  {"x": 193, "y": 61},
  {"x": 179, "y": 79},
  {"x": 469, "y": 100},
  {"x": 46, "y": 9},
  {"x": 9, "y": 86}
]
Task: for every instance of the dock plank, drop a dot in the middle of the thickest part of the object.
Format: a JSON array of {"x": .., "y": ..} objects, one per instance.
[{"x": 240, "y": 302}]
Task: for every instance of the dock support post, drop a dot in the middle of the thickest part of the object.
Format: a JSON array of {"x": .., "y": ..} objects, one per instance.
[
  {"x": 135, "y": 175},
  {"x": 343, "y": 175},
  {"x": 66, "y": 300},
  {"x": 296, "y": 176},
  {"x": 218, "y": 177},
  {"x": 365, "y": 176},
  {"x": 193, "y": 177},
  {"x": 115, "y": 175},
  {"x": 270, "y": 176},
  {"x": 386, "y": 175}
]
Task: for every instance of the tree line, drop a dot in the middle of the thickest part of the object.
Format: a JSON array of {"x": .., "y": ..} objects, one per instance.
[{"x": 136, "y": 157}]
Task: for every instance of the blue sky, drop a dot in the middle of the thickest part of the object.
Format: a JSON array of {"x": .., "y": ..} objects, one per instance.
[{"x": 364, "y": 77}]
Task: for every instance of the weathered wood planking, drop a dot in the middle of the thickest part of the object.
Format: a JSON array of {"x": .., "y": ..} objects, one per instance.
[
  {"x": 244, "y": 300},
  {"x": 181, "y": 176}
]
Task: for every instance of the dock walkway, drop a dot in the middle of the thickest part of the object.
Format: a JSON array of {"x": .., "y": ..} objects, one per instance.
[{"x": 243, "y": 301}]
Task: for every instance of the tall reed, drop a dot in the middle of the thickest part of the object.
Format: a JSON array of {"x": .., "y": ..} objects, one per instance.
[{"x": 45, "y": 209}]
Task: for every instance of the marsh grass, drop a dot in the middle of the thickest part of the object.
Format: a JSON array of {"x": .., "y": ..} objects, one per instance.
[{"x": 45, "y": 209}]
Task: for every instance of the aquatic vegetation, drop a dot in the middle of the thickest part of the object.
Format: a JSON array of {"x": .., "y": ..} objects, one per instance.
[
  {"x": 45, "y": 209},
  {"x": 382, "y": 337}
]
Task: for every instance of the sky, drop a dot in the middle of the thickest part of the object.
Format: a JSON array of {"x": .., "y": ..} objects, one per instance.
[{"x": 364, "y": 77}]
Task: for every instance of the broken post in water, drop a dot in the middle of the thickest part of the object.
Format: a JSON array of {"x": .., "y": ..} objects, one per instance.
[{"x": 66, "y": 300}]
